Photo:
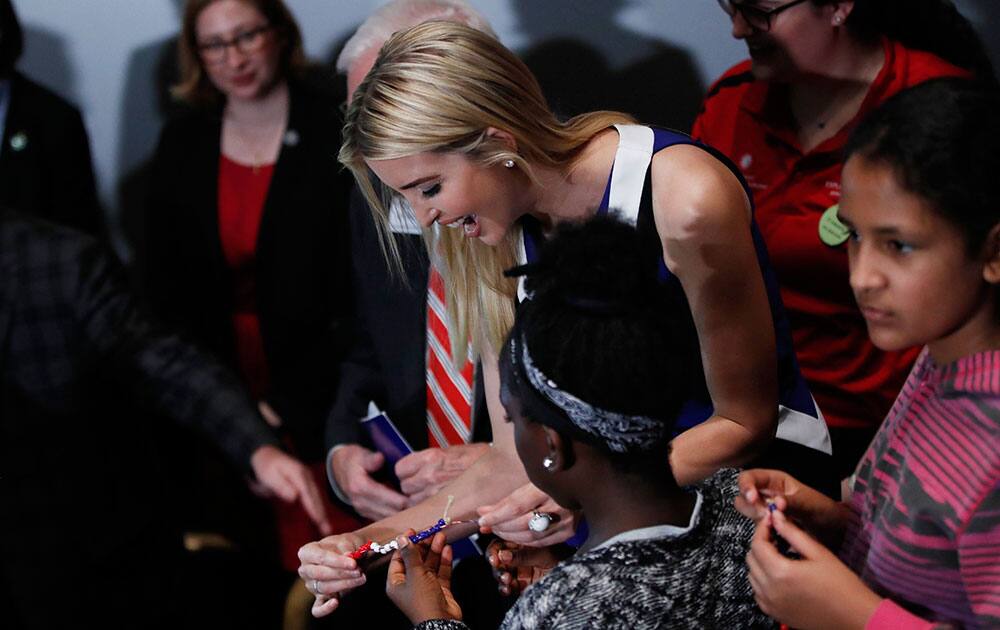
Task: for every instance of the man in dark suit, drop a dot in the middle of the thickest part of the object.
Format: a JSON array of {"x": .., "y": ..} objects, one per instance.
[
  {"x": 388, "y": 363},
  {"x": 45, "y": 165},
  {"x": 387, "y": 366},
  {"x": 84, "y": 537}
]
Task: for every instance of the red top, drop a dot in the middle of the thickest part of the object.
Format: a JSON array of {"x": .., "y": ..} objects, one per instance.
[
  {"x": 242, "y": 191},
  {"x": 854, "y": 382}
]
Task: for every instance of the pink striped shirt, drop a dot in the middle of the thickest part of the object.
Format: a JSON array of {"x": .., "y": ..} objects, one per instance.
[{"x": 926, "y": 532}]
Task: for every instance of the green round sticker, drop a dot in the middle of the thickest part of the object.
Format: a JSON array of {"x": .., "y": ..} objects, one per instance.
[{"x": 831, "y": 230}]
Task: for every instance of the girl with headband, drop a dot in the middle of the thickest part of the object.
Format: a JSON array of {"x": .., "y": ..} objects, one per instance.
[{"x": 593, "y": 409}]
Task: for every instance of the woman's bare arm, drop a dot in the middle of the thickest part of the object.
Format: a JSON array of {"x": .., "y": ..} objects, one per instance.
[
  {"x": 327, "y": 569},
  {"x": 703, "y": 218}
]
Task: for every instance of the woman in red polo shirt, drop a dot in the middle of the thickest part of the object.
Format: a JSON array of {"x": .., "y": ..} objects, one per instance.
[{"x": 816, "y": 68}]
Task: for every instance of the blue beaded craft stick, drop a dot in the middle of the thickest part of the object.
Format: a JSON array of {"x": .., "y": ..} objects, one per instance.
[{"x": 420, "y": 536}]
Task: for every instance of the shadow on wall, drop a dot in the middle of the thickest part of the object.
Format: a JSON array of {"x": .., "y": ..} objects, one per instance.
[
  {"x": 986, "y": 18},
  {"x": 145, "y": 105},
  {"x": 46, "y": 61},
  {"x": 586, "y": 61}
]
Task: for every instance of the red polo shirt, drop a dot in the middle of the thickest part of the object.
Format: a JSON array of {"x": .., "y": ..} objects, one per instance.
[{"x": 854, "y": 382}]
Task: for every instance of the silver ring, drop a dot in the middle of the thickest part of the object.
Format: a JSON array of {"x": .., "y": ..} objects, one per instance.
[
  {"x": 316, "y": 587},
  {"x": 540, "y": 521}
]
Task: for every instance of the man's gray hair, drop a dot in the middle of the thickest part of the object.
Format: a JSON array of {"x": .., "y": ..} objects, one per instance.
[{"x": 400, "y": 15}]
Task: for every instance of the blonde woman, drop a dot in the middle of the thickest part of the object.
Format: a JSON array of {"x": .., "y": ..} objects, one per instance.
[{"x": 456, "y": 124}]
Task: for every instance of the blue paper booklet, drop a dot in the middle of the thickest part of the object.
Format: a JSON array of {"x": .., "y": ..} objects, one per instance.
[
  {"x": 385, "y": 436},
  {"x": 387, "y": 439}
]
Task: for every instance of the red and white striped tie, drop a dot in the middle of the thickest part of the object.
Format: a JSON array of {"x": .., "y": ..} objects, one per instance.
[{"x": 449, "y": 391}]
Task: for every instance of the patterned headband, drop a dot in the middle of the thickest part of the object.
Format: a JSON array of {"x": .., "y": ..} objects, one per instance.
[{"x": 621, "y": 433}]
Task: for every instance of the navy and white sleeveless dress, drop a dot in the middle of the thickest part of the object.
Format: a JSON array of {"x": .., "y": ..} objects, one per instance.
[{"x": 629, "y": 196}]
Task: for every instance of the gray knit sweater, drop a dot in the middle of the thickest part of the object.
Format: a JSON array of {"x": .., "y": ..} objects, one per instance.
[{"x": 695, "y": 580}]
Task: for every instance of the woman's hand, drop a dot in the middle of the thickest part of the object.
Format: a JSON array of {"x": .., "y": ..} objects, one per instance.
[
  {"x": 820, "y": 515},
  {"x": 329, "y": 572},
  {"x": 279, "y": 474},
  {"x": 419, "y": 580},
  {"x": 816, "y": 591},
  {"x": 509, "y": 518},
  {"x": 517, "y": 567}
]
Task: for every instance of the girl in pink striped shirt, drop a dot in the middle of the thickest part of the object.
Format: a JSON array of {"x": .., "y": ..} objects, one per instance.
[{"x": 919, "y": 537}]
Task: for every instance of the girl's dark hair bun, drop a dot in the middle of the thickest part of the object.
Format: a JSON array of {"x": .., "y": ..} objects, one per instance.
[{"x": 598, "y": 267}]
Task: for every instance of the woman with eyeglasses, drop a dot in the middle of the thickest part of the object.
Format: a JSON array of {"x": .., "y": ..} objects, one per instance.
[
  {"x": 246, "y": 243},
  {"x": 816, "y": 68}
]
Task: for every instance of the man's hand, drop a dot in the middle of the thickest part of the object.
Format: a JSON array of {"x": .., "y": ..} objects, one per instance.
[
  {"x": 290, "y": 480},
  {"x": 353, "y": 466},
  {"x": 424, "y": 473}
]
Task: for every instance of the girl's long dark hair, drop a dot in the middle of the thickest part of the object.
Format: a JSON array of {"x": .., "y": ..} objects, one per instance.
[
  {"x": 935, "y": 26},
  {"x": 941, "y": 139}
]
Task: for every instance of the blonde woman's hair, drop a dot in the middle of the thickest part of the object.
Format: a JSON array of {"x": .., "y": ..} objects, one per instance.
[{"x": 438, "y": 87}]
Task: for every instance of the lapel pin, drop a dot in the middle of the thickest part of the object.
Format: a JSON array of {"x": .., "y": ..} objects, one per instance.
[{"x": 18, "y": 141}]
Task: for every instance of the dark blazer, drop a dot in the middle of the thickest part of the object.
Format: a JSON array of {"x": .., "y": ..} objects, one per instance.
[
  {"x": 80, "y": 487},
  {"x": 302, "y": 280},
  {"x": 387, "y": 362},
  {"x": 45, "y": 166}
]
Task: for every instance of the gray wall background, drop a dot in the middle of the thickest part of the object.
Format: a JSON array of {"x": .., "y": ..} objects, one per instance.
[{"x": 650, "y": 57}]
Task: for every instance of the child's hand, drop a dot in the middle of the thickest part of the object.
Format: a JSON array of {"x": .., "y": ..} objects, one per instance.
[
  {"x": 419, "y": 580},
  {"x": 760, "y": 486},
  {"x": 517, "y": 567},
  {"x": 820, "y": 515},
  {"x": 813, "y": 592}
]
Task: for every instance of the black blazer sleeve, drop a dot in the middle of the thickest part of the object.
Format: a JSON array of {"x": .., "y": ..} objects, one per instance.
[
  {"x": 168, "y": 374},
  {"x": 79, "y": 335}
]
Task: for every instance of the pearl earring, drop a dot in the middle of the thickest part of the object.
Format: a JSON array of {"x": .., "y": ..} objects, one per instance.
[
  {"x": 548, "y": 464},
  {"x": 837, "y": 20},
  {"x": 509, "y": 163}
]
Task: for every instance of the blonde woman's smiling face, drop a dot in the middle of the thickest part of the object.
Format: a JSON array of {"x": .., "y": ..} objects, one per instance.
[{"x": 453, "y": 191}]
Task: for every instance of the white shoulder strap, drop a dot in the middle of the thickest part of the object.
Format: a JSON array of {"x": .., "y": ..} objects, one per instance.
[
  {"x": 522, "y": 258},
  {"x": 635, "y": 150}
]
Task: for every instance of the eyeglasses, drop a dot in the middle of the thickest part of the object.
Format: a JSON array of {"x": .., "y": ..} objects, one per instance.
[
  {"x": 247, "y": 42},
  {"x": 758, "y": 19}
]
